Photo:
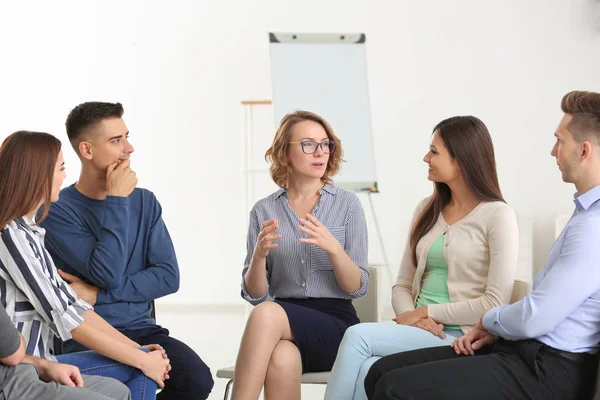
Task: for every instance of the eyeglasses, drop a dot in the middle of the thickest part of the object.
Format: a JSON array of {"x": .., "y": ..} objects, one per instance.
[{"x": 310, "y": 146}]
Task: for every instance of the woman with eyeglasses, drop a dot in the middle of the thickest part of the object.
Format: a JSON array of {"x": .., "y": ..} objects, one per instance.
[
  {"x": 459, "y": 261},
  {"x": 307, "y": 250}
]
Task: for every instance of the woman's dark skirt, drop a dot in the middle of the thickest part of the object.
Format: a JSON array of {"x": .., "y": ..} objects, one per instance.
[{"x": 318, "y": 326}]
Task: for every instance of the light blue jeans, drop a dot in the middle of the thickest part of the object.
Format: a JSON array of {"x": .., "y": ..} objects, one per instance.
[
  {"x": 365, "y": 343},
  {"x": 92, "y": 363}
]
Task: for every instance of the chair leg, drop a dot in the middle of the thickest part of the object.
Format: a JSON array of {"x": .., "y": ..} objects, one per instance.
[{"x": 227, "y": 389}]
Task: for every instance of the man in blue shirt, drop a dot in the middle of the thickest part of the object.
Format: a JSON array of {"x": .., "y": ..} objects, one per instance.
[
  {"x": 544, "y": 346},
  {"x": 111, "y": 242}
]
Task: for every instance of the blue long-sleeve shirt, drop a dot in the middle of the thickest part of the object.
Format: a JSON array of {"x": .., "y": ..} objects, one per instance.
[
  {"x": 121, "y": 245},
  {"x": 563, "y": 309}
]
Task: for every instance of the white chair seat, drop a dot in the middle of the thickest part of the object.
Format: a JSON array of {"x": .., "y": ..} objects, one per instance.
[
  {"x": 309, "y": 378},
  {"x": 318, "y": 378},
  {"x": 226, "y": 373}
]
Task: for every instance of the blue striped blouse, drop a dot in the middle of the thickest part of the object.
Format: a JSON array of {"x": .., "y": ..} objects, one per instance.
[
  {"x": 298, "y": 270},
  {"x": 39, "y": 302}
]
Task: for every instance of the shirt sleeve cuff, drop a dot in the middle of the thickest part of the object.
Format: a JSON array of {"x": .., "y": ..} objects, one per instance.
[
  {"x": 491, "y": 321},
  {"x": 364, "y": 283},
  {"x": 10, "y": 343},
  {"x": 250, "y": 299},
  {"x": 70, "y": 319},
  {"x": 103, "y": 296},
  {"x": 437, "y": 312}
]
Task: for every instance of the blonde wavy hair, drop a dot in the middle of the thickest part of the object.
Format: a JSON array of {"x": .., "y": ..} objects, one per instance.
[{"x": 277, "y": 154}]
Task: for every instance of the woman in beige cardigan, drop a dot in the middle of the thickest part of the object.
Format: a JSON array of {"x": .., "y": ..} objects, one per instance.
[{"x": 459, "y": 261}]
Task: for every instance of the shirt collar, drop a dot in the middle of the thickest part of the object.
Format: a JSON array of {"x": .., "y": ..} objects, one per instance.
[
  {"x": 329, "y": 188},
  {"x": 586, "y": 200},
  {"x": 30, "y": 225}
]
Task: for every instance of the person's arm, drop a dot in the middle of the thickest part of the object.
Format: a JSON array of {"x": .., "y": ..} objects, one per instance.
[
  {"x": 69, "y": 318},
  {"x": 101, "y": 260},
  {"x": 572, "y": 279},
  {"x": 351, "y": 267},
  {"x": 52, "y": 298},
  {"x": 160, "y": 277},
  {"x": 64, "y": 374},
  {"x": 98, "y": 323},
  {"x": 104, "y": 339},
  {"x": 402, "y": 299},
  {"x": 350, "y": 262},
  {"x": 152, "y": 364},
  {"x": 503, "y": 242},
  {"x": 255, "y": 275},
  {"x": 58, "y": 307},
  {"x": 17, "y": 356},
  {"x": 12, "y": 343}
]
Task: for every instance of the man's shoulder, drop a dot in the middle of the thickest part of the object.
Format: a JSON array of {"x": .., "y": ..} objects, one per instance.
[
  {"x": 583, "y": 230},
  {"x": 144, "y": 193},
  {"x": 65, "y": 205},
  {"x": 145, "y": 198},
  {"x": 588, "y": 221},
  {"x": 69, "y": 197},
  {"x": 66, "y": 195}
]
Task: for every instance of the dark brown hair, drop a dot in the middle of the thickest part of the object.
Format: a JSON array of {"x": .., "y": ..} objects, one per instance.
[
  {"x": 277, "y": 154},
  {"x": 27, "y": 163},
  {"x": 86, "y": 115},
  {"x": 584, "y": 107},
  {"x": 469, "y": 143}
]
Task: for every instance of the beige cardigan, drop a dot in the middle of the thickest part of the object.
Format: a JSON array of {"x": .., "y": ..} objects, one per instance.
[{"x": 481, "y": 251}]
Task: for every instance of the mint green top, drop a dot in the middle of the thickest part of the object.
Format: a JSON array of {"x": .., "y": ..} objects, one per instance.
[{"x": 434, "y": 287}]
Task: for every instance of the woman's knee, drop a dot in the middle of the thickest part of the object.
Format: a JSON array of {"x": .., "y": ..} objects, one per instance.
[
  {"x": 355, "y": 332},
  {"x": 268, "y": 314},
  {"x": 285, "y": 357},
  {"x": 358, "y": 336}
]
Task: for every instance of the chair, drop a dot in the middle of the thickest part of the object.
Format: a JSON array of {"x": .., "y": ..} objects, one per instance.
[{"x": 367, "y": 308}]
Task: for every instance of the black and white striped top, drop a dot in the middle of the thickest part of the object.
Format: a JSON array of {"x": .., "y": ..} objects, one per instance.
[
  {"x": 298, "y": 270},
  {"x": 39, "y": 302}
]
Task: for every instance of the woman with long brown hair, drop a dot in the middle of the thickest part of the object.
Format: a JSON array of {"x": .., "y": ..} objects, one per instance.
[
  {"x": 460, "y": 259},
  {"x": 307, "y": 249},
  {"x": 39, "y": 302}
]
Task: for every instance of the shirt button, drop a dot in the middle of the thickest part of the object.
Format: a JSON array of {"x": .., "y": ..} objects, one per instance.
[{"x": 303, "y": 284}]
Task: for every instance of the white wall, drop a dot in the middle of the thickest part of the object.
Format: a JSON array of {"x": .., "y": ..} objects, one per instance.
[{"x": 181, "y": 68}]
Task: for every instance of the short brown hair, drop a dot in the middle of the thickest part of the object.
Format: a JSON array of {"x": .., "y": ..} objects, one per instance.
[
  {"x": 277, "y": 154},
  {"x": 584, "y": 107},
  {"x": 87, "y": 115},
  {"x": 27, "y": 163}
]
